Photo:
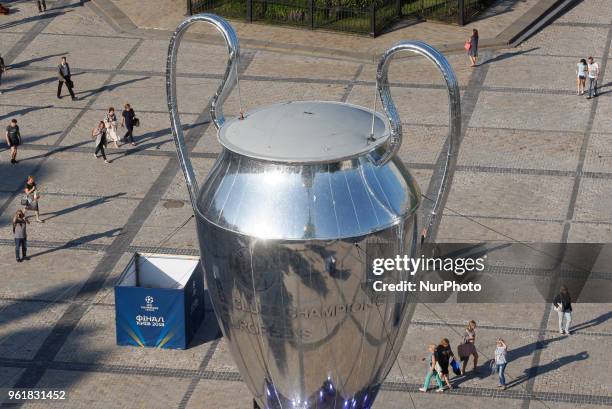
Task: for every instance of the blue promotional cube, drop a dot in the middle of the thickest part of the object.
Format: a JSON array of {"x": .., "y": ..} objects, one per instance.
[{"x": 159, "y": 301}]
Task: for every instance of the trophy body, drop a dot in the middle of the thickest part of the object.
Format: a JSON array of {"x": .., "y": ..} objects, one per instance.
[{"x": 301, "y": 200}]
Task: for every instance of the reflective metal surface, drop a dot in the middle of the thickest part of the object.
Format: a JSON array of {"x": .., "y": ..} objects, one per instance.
[
  {"x": 454, "y": 106},
  {"x": 287, "y": 242}
]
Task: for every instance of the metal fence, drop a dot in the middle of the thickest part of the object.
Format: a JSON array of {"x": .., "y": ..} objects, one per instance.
[{"x": 372, "y": 17}]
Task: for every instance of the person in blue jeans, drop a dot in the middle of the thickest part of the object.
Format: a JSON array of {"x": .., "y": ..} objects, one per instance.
[
  {"x": 21, "y": 236},
  {"x": 431, "y": 359},
  {"x": 501, "y": 350}
]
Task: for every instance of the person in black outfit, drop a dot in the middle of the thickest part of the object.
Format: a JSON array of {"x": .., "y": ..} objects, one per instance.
[
  {"x": 63, "y": 73},
  {"x": 2, "y": 69},
  {"x": 13, "y": 139},
  {"x": 42, "y": 5},
  {"x": 21, "y": 236},
  {"x": 444, "y": 354},
  {"x": 563, "y": 305},
  {"x": 127, "y": 121}
]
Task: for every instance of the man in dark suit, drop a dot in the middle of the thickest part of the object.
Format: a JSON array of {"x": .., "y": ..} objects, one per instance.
[{"x": 63, "y": 73}]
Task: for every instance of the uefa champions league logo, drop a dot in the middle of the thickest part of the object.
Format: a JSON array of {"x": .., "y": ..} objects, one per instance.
[{"x": 149, "y": 304}]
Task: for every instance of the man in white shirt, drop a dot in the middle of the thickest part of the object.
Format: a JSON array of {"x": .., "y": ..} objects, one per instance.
[{"x": 593, "y": 77}]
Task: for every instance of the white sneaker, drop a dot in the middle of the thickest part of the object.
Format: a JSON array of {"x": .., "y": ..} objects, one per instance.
[
  {"x": 440, "y": 390},
  {"x": 95, "y": 156},
  {"x": 423, "y": 389}
]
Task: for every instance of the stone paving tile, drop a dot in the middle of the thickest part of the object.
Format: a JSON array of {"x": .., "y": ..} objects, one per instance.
[
  {"x": 94, "y": 341},
  {"x": 73, "y": 219},
  {"x": 149, "y": 93},
  {"x": 535, "y": 404},
  {"x": 24, "y": 16},
  {"x": 520, "y": 149},
  {"x": 222, "y": 360},
  {"x": 455, "y": 229},
  {"x": 418, "y": 70},
  {"x": 272, "y": 64},
  {"x": 8, "y": 41},
  {"x": 591, "y": 204},
  {"x": 432, "y": 400},
  {"x": 164, "y": 220},
  {"x": 25, "y": 325},
  {"x": 209, "y": 394},
  {"x": 130, "y": 176},
  {"x": 194, "y": 57},
  {"x": 590, "y": 233},
  {"x": 527, "y": 196},
  {"x": 576, "y": 355},
  {"x": 8, "y": 376},
  {"x": 422, "y": 144},
  {"x": 592, "y": 12},
  {"x": 509, "y": 315},
  {"x": 415, "y": 106},
  {"x": 110, "y": 391},
  {"x": 178, "y": 190},
  {"x": 579, "y": 42},
  {"x": 60, "y": 281},
  {"x": 603, "y": 122},
  {"x": 82, "y": 52},
  {"x": 599, "y": 153},
  {"x": 531, "y": 111},
  {"x": 519, "y": 69},
  {"x": 40, "y": 89},
  {"x": 82, "y": 21},
  {"x": 39, "y": 125}
]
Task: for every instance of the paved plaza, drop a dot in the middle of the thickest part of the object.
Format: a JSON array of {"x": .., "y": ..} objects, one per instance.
[{"x": 535, "y": 165}]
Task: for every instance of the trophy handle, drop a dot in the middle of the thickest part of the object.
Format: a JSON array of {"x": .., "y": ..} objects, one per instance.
[
  {"x": 395, "y": 139},
  {"x": 216, "y": 102}
]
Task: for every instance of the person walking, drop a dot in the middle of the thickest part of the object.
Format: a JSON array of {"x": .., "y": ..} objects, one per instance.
[
  {"x": 431, "y": 371},
  {"x": 21, "y": 236},
  {"x": 64, "y": 75},
  {"x": 469, "y": 347},
  {"x": 443, "y": 355},
  {"x": 581, "y": 76},
  {"x": 98, "y": 134},
  {"x": 128, "y": 121},
  {"x": 31, "y": 199},
  {"x": 110, "y": 122},
  {"x": 473, "y": 48},
  {"x": 501, "y": 350},
  {"x": 13, "y": 139},
  {"x": 42, "y": 5},
  {"x": 563, "y": 305},
  {"x": 2, "y": 69},
  {"x": 593, "y": 69}
]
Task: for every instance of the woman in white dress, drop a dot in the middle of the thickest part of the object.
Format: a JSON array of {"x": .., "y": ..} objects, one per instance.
[{"x": 110, "y": 122}]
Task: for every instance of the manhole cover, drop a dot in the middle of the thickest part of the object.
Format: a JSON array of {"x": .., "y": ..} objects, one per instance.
[{"x": 173, "y": 204}]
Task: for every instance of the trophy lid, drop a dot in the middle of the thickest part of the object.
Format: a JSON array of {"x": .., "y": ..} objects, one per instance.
[{"x": 305, "y": 132}]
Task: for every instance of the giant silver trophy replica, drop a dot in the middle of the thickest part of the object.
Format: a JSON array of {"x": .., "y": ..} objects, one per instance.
[{"x": 301, "y": 199}]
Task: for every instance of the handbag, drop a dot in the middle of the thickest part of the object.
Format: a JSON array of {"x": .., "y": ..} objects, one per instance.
[
  {"x": 136, "y": 122},
  {"x": 25, "y": 201},
  {"x": 456, "y": 368},
  {"x": 467, "y": 45}
]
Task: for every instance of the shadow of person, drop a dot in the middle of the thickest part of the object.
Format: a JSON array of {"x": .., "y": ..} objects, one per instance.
[
  {"x": 508, "y": 55},
  {"x": 592, "y": 323},
  {"x": 92, "y": 203},
  {"x": 553, "y": 365},
  {"x": 109, "y": 87},
  {"x": 79, "y": 241},
  {"x": 26, "y": 63}
]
